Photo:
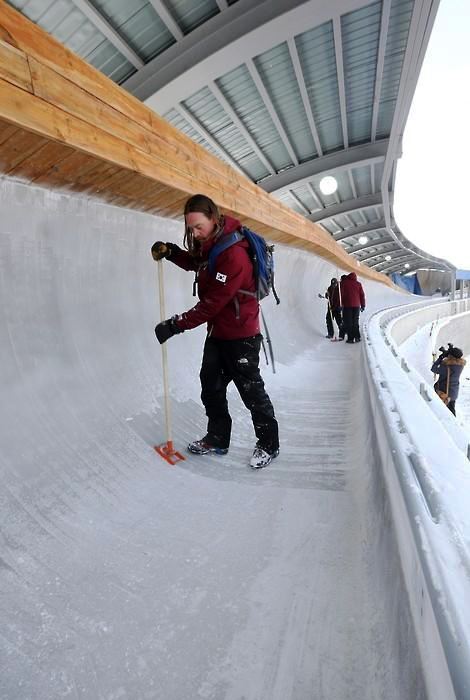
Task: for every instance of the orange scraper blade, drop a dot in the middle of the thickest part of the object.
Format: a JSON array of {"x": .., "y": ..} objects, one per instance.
[{"x": 167, "y": 451}]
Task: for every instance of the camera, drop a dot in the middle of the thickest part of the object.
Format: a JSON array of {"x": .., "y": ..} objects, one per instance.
[{"x": 445, "y": 352}]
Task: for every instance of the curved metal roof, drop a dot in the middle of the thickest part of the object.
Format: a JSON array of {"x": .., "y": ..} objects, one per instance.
[{"x": 286, "y": 91}]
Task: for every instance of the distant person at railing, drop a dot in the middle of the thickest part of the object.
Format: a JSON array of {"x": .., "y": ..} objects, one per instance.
[
  {"x": 448, "y": 366},
  {"x": 353, "y": 300}
]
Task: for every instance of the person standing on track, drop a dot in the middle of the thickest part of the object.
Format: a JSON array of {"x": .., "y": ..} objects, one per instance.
[
  {"x": 232, "y": 346},
  {"x": 333, "y": 311},
  {"x": 353, "y": 300},
  {"x": 448, "y": 366}
]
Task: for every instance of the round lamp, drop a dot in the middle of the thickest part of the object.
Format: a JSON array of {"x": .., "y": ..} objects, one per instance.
[{"x": 328, "y": 185}]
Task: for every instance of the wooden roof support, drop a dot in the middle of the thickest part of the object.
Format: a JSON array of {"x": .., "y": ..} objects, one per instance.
[{"x": 63, "y": 124}]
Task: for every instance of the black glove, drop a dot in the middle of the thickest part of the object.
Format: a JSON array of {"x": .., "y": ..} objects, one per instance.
[
  {"x": 166, "y": 329},
  {"x": 362, "y": 308},
  {"x": 162, "y": 250}
]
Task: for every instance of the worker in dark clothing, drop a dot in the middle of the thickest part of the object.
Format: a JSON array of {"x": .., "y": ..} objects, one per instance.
[
  {"x": 448, "y": 366},
  {"x": 353, "y": 300},
  {"x": 333, "y": 311}
]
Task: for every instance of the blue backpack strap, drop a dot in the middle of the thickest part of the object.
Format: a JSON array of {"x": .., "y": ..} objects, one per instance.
[{"x": 223, "y": 244}]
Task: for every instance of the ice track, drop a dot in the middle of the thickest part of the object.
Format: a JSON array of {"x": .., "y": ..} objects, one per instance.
[{"x": 122, "y": 577}]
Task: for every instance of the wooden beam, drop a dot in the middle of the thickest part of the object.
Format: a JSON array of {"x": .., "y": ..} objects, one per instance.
[
  {"x": 14, "y": 66},
  {"x": 42, "y": 160},
  {"x": 15, "y": 151}
]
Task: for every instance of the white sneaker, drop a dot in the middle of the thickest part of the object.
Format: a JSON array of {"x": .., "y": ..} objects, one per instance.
[{"x": 261, "y": 458}]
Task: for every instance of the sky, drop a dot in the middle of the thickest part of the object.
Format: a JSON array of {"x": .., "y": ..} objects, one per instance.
[{"x": 432, "y": 185}]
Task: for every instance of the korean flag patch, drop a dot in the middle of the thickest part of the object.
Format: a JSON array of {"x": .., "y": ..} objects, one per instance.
[{"x": 220, "y": 277}]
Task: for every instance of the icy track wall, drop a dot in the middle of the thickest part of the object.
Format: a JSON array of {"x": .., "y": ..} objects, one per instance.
[
  {"x": 448, "y": 320},
  {"x": 407, "y": 323},
  {"x": 425, "y": 457},
  {"x": 80, "y": 301},
  {"x": 455, "y": 330},
  {"x": 83, "y": 492}
]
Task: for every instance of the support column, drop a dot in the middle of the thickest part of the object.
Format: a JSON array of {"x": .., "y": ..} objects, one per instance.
[{"x": 452, "y": 288}]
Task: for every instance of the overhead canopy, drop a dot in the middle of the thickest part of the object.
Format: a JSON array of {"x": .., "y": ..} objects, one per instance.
[
  {"x": 65, "y": 125},
  {"x": 285, "y": 91}
]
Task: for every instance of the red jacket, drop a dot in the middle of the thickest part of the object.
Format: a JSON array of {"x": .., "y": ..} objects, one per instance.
[
  {"x": 352, "y": 293},
  {"x": 217, "y": 291}
]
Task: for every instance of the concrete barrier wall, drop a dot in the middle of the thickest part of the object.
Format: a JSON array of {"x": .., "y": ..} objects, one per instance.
[
  {"x": 455, "y": 330},
  {"x": 410, "y": 322},
  {"x": 450, "y": 322},
  {"x": 432, "y": 475},
  {"x": 401, "y": 485}
]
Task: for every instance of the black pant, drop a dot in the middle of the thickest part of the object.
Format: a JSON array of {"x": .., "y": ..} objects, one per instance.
[
  {"x": 329, "y": 322},
  {"x": 237, "y": 360},
  {"x": 351, "y": 322}
]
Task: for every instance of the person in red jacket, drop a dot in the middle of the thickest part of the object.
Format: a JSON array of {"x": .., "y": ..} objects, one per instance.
[
  {"x": 353, "y": 300},
  {"x": 232, "y": 346}
]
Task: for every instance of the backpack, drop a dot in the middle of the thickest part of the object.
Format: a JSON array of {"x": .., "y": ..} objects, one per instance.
[{"x": 261, "y": 255}]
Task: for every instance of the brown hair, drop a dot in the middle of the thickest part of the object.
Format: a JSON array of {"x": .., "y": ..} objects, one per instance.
[{"x": 203, "y": 205}]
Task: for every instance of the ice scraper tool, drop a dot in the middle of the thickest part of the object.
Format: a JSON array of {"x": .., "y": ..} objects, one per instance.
[{"x": 166, "y": 449}]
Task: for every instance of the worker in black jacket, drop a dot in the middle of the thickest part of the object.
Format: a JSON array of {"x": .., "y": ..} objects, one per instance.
[{"x": 333, "y": 311}]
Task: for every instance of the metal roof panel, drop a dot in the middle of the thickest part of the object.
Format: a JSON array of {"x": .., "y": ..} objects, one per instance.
[
  {"x": 362, "y": 179},
  {"x": 399, "y": 24},
  {"x": 240, "y": 90},
  {"x": 360, "y": 35},
  {"x": 180, "y": 123},
  {"x": 278, "y": 75},
  {"x": 316, "y": 51},
  {"x": 208, "y": 111},
  {"x": 189, "y": 14},
  {"x": 290, "y": 201},
  {"x": 139, "y": 24},
  {"x": 304, "y": 194}
]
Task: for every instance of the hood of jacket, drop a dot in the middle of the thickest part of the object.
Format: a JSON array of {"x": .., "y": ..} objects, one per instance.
[
  {"x": 352, "y": 276},
  {"x": 449, "y": 361}
]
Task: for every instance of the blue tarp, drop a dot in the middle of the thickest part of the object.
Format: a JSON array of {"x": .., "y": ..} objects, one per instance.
[{"x": 408, "y": 282}]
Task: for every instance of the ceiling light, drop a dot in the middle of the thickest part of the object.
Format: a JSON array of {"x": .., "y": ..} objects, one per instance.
[
  {"x": 388, "y": 257},
  {"x": 407, "y": 265},
  {"x": 328, "y": 185},
  {"x": 363, "y": 240}
]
